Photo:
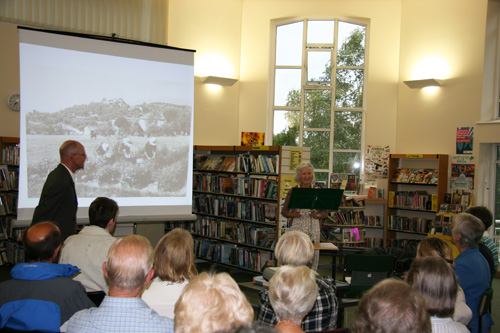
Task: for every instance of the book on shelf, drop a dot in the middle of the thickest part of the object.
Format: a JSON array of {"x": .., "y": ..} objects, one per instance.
[
  {"x": 372, "y": 192},
  {"x": 415, "y": 176},
  {"x": 434, "y": 177},
  {"x": 228, "y": 164},
  {"x": 351, "y": 182},
  {"x": 225, "y": 252},
  {"x": 260, "y": 281},
  {"x": 10, "y": 155}
]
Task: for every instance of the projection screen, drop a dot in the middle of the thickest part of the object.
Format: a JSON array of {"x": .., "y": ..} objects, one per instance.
[{"x": 129, "y": 103}]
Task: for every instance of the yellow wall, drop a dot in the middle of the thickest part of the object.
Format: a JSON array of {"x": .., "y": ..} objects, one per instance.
[
  {"x": 382, "y": 76},
  {"x": 212, "y": 28},
  {"x": 453, "y": 31},
  {"x": 233, "y": 36},
  {"x": 9, "y": 82}
]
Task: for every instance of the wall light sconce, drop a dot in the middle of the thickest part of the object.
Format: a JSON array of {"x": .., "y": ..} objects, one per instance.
[
  {"x": 222, "y": 81},
  {"x": 423, "y": 83}
]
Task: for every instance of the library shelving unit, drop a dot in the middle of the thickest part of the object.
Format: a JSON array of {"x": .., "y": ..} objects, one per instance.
[
  {"x": 236, "y": 200},
  {"x": 374, "y": 217},
  {"x": 414, "y": 199},
  {"x": 337, "y": 228},
  {"x": 10, "y": 250}
]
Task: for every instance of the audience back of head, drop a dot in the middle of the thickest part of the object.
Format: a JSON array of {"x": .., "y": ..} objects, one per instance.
[
  {"x": 129, "y": 262},
  {"x": 434, "y": 278},
  {"x": 294, "y": 248},
  {"x": 292, "y": 292},
  {"x": 174, "y": 257},
  {"x": 101, "y": 211},
  {"x": 392, "y": 306},
  {"x": 212, "y": 303},
  {"x": 41, "y": 241},
  {"x": 482, "y": 213},
  {"x": 434, "y": 246},
  {"x": 470, "y": 229}
]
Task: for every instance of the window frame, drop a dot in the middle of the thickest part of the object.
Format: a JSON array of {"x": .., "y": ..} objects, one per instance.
[{"x": 304, "y": 86}]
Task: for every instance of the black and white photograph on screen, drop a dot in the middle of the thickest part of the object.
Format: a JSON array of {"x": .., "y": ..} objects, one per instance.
[{"x": 133, "y": 116}]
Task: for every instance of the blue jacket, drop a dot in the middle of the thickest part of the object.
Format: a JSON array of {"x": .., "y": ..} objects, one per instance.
[
  {"x": 41, "y": 296},
  {"x": 474, "y": 277}
]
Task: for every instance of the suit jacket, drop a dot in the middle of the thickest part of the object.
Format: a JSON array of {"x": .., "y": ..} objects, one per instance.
[{"x": 58, "y": 202}]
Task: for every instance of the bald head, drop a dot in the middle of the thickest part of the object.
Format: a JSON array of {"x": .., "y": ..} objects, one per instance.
[
  {"x": 72, "y": 155},
  {"x": 41, "y": 242},
  {"x": 130, "y": 260}
]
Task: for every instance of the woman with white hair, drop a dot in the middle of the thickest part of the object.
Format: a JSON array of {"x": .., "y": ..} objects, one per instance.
[
  {"x": 292, "y": 292},
  {"x": 295, "y": 248},
  {"x": 305, "y": 220}
]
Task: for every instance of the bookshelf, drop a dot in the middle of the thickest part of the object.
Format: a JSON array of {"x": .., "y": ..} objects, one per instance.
[
  {"x": 237, "y": 203},
  {"x": 368, "y": 218},
  {"x": 10, "y": 250},
  {"x": 417, "y": 185}
]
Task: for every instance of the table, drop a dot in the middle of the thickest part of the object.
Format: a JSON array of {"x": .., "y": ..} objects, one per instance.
[{"x": 332, "y": 248}]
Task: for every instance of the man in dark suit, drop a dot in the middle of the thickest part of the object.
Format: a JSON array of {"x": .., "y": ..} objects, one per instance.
[{"x": 58, "y": 202}]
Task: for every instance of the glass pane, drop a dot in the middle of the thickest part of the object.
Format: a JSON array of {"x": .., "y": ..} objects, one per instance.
[
  {"x": 289, "y": 44},
  {"x": 498, "y": 152},
  {"x": 347, "y": 128},
  {"x": 349, "y": 88},
  {"x": 351, "y": 44},
  {"x": 320, "y": 32},
  {"x": 321, "y": 177},
  {"x": 317, "y": 108},
  {"x": 287, "y": 87},
  {"x": 319, "y": 143},
  {"x": 286, "y": 128},
  {"x": 346, "y": 162},
  {"x": 318, "y": 66}
]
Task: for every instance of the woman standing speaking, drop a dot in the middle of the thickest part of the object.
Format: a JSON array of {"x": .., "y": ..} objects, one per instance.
[{"x": 305, "y": 220}]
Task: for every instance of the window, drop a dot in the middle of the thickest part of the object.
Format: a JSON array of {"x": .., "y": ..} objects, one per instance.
[{"x": 318, "y": 91}]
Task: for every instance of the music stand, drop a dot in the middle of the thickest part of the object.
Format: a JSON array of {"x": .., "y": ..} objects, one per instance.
[{"x": 315, "y": 198}]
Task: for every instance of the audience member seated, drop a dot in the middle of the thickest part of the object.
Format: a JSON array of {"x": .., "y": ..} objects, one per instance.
[
  {"x": 88, "y": 249},
  {"x": 41, "y": 296},
  {"x": 292, "y": 292},
  {"x": 174, "y": 267},
  {"x": 437, "y": 247},
  {"x": 128, "y": 269},
  {"x": 471, "y": 267},
  {"x": 296, "y": 249},
  {"x": 437, "y": 282},
  {"x": 485, "y": 215},
  {"x": 212, "y": 303},
  {"x": 392, "y": 306}
]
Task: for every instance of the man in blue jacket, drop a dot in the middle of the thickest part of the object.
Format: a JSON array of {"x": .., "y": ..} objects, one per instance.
[{"x": 41, "y": 296}]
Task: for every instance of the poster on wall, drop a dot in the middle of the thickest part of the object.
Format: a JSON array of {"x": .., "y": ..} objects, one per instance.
[
  {"x": 463, "y": 170},
  {"x": 376, "y": 161},
  {"x": 295, "y": 157},
  {"x": 464, "y": 140},
  {"x": 252, "y": 139}
]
